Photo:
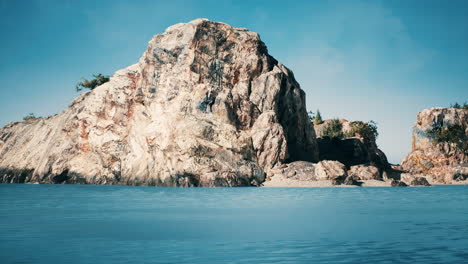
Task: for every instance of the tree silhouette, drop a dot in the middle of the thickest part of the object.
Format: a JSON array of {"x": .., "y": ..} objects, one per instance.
[
  {"x": 91, "y": 84},
  {"x": 318, "y": 118}
]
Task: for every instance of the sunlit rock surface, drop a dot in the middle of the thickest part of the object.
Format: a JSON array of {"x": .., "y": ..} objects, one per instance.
[
  {"x": 206, "y": 105},
  {"x": 440, "y": 159}
]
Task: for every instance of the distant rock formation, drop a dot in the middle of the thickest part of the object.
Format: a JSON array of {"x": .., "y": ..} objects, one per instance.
[
  {"x": 206, "y": 105},
  {"x": 352, "y": 150},
  {"x": 439, "y": 145},
  {"x": 349, "y": 159}
]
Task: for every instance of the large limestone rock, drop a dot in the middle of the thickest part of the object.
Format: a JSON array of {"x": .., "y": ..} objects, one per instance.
[
  {"x": 206, "y": 105},
  {"x": 440, "y": 161}
]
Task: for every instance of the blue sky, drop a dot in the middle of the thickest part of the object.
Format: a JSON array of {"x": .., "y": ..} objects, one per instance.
[{"x": 359, "y": 60}]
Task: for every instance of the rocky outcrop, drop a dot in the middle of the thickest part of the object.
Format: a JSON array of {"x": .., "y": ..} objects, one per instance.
[
  {"x": 351, "y": 157},
  {"x": 206, "y": 105},
  {"x": 325, "y": 172},
  {"x": 308, "y": 174},
  {"x": 439, "y": 145},
  {"x": 351, "y": 149}
]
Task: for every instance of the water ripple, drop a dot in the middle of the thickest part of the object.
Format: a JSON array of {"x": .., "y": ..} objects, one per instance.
[{"x": 123, "y": 224}]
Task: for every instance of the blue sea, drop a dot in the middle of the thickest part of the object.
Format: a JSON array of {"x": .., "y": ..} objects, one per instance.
[{"x": 126, "y": 224}]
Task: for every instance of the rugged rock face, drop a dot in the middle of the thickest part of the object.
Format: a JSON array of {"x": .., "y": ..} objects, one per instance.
[
  {"x": 439, "y": 145},
  {"x": 206, "y": 105},
  {"x": 350, "y": 151}
]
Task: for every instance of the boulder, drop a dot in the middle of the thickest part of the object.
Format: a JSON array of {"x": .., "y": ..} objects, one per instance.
[
  {"x": 414, "y": 180},
  {"x": 460, "y": 177},
  {"x": 352, "y": 180},
  {"x": 407, "y": 177},
  {"x": 364, "y": 172},
  {"x": 300, "y": 170},
  {"x": 338, "y": 180},
  {"x": 346, "y": 180},
  {"x": 397, "y": 183},
  {"x": 419, "y": 181},
  {"x": 329, "y": 170}
]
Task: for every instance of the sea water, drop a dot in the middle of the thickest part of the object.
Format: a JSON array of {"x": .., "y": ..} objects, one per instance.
[{"x": 126, "y": 224}]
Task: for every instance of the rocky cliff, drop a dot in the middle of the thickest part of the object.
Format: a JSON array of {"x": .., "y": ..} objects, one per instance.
[
  {"x": 439, "y": 145},
  {"x": 206, "y": 105}
]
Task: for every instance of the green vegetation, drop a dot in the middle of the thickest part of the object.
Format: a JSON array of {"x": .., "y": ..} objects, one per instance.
[
  {"x": 368, "y": 130},
  {"x": 31, "y": 117},
  {"x": 458, "y": 106},
  {"x": 318, "y": 118},
  {"x": 451, "y": 134},
  {"x": 315, "y": 118},
  {"x": 311, "y": 116},
  {"x": 333, "y": 129},
  {"x": 91, "y": 84}
]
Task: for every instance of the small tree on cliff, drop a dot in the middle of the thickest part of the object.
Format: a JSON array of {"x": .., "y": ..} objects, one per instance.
[
  {"x": 318, "y": 118},
  {"x": 311, "y": 116},
  {"x": 93, "y": 83},
  {"x": 31, "y": 117},
  {"x": 456, "y": 105}
]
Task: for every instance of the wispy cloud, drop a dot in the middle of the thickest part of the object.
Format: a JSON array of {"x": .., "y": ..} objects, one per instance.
[{"x": 353, "y": 65}]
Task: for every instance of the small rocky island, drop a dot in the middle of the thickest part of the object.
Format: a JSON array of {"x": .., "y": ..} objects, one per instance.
[
  {"x": 206, "y": 105},
  {"x": 440, "y": 146}
]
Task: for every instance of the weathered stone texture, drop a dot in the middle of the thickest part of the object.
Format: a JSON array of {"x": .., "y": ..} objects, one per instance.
[
  {"x": 206, "y": 105},
  {"x": 439, "y": 161}
]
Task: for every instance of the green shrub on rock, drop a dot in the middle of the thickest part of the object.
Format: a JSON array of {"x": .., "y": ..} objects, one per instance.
[
  {"x": 91, "y": 84},
  {"x": 311, "y": 116},
  {"x": 366, "y": 130},
  {"x": 459, "y": 106},
  {"x": 450, "y": 134},
  {"x": 318, "y": 118},
  {"x": 333, "y": 129},
  {"x": 31, "y": 117}
]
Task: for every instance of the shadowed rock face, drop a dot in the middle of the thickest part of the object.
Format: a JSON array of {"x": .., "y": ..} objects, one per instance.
[
  {"x": 206, "y": 105},
  {"x": 441, "y": 159},
  {"x": 350, "y": 151}
]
